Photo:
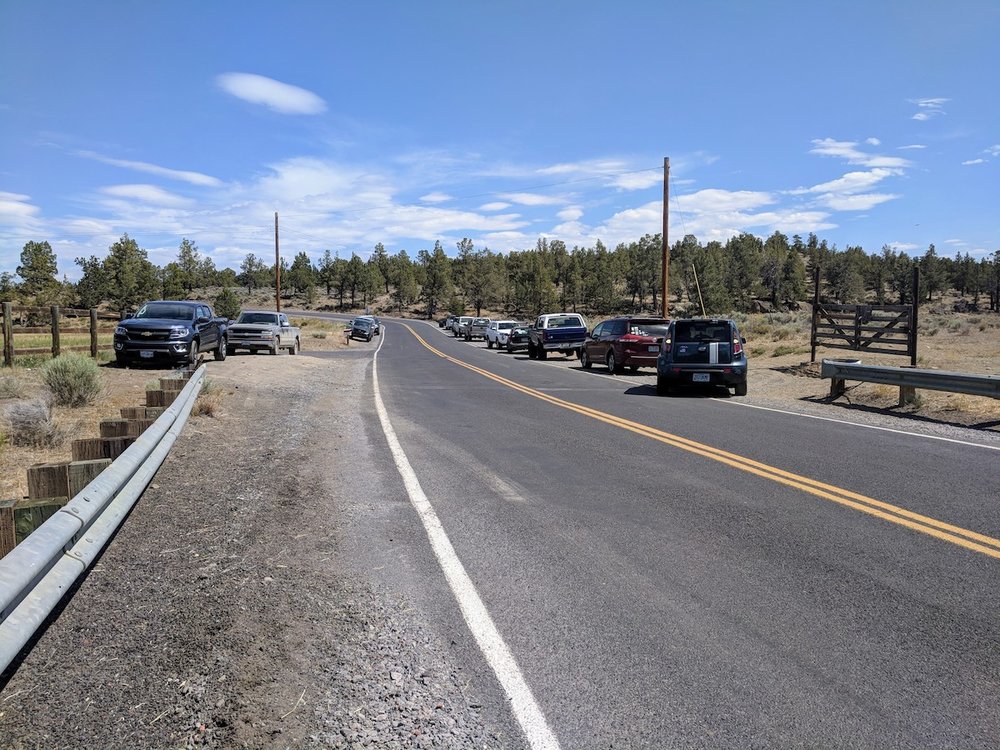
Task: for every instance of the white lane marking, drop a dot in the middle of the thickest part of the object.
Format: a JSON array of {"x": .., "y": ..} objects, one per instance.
[
  {"x": 523, "y": 705},
  {"x": 857, "y": 424},
  {"x": 727, "y": 402}
]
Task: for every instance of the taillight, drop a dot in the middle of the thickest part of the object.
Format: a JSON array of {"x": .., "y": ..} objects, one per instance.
[
  {"x": 666, "y": 346},
  {"x": 737, "y": 347}
]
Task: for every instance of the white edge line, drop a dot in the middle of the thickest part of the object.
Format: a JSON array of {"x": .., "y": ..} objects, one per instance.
[{"x": 523, "y": 705}]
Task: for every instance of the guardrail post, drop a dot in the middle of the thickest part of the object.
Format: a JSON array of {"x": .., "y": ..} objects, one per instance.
[
  {"x": 907, "y": 395},
  {"x": 8, "y": 335},
  {"x": 838, "y": 386},
  {"x": 93, "y": 332},
  {"x": 54, "y": 314}
]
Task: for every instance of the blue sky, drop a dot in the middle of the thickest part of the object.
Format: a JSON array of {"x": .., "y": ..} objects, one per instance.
[{"x": 869, "y": 123}]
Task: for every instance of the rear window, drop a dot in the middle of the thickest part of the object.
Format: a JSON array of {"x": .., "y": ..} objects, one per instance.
[
  {"x": 648, "y": 329},
  {"x": 481, "y": 322},
  {"x": 565, "y": 321},
  {"x": 504, "y": 326},
  {"x": 701, "y": 330}
]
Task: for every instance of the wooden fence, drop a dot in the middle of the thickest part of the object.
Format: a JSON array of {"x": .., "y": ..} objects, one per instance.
[
  {"x": 880, "y": 329},
  {"x": 23, "y": 320}
]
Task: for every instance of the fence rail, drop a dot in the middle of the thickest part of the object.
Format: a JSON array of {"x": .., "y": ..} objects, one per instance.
[{"x": 28, "y": 317}]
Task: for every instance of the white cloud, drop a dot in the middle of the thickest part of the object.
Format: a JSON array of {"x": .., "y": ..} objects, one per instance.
[
  {"x": 873, "y": 141},
  {"x": 146, "y": 194},
  {"x": 589, "y": 166},
  {"x": 435, "y": 197},
  {"x": 902, "y": 247},
  {"x": 718, "y": 201},
  {"x": 495, "y": 206},
  {"x": 531, "y": 199},
  {"x": 929, "y": 108},
  {"x": 862, "y": 202},
  {"x": 570, "y": 214},
  {"x": 993, "y": 150},
  {"x": 194, "y": 178},
  {"x": 638, "y": 180},
  {"x": 852, "y": 182},
  {"x": 912, "y": 146},
  {"x": 973, "y": 161},
  {"x": 849, "y": 151},
  {"x": 954, "y": 242},
  {"x": 15, "y": 208},
  {"x": 275, "y": 95}
]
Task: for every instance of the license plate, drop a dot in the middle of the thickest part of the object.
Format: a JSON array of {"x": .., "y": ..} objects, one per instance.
[
  {"x": 654, "y": 348},
  {"x": 701, "y": 377},
  {"x": 146, "y": 354},
  {"x": 565, "y": 345}
]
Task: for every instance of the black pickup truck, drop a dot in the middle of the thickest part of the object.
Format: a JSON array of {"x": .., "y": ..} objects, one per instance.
[{"x": 172, "y": 330}]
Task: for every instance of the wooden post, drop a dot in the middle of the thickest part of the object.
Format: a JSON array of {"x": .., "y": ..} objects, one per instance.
[
  {"x": 93, "y": 332},
  {"x": 48, "y": 480},
  {"x": 8, "y": 335},
  {"x": 913, "y": 321},
  {"x": 54, "y": 313},
  {"x": 815, "y": 315},
  {"x": 665, "y": 250},
  {"x": 7, "y": 540}
]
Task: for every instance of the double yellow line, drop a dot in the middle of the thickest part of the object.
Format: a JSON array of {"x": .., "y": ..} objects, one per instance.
[{"x": 894, "y": 514}]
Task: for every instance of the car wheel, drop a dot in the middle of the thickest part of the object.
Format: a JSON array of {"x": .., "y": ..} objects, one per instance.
[
  {"x": 121, "y": 361},
  {"x": 611, "y": 363},
  {"x": 294, "y": 348},
  {"x": 192, "y": 357},
  {"x": 510, "y": 349},
  {"x": 468, "y": 337},
  {"x": 633, "y": 368},
  {"x": 585, "y": 360},
  {"x": 489, "y": 343},
  {"x": 662, "y": 387},
  {"x": 275, "y": 350},
  {"x": 740, "y": 389},
  {"x": 542, "y": 354},
  {"x": 221, "y": 350}
]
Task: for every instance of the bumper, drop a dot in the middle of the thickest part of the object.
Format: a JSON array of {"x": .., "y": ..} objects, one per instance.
[
  {"x": 233, "y": 344},
  {"x": 151, "y": 350},
  {"x": 561, "y": 346},
  {"x": 728, "y": 376}
]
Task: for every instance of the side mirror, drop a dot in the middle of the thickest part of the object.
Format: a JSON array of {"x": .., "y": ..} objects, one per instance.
[
  {"x": 202, "y": 320},
  {"x": 743, "y": 339}
]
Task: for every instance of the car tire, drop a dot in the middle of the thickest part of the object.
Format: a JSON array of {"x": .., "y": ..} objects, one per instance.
[
  {"x": 740, "y": 389},
  {"x": 489, "y": 343},
  {"x": 221, "y": 351},
  {"x": 510, "y": 349},
  {"x": 192, "y": 355},
  {"x": 121, "y": 361},
  {"x": 294, "y": 348},
  {"x": 585, "y": 361},
  {"x": 612, "y": 364},
  {"x": 542, "y": 354},
  {"x": 275, "y": 350},
  {"x": 468, "y": 337},
  {"x": 633, "y": 368},
  {"x": 662, "y": 387}
]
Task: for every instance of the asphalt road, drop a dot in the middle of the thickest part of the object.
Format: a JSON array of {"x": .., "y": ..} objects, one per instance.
[{"x": 676, "y": 572}]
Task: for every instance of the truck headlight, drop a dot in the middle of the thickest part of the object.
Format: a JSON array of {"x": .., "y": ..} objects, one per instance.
[
  {"x": 121, "y": 331},
  {"x": 178, "y": 332}
]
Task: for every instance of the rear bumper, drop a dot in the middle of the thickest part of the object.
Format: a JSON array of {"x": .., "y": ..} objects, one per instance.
[
  {"x": 557, "y": 346},
  {"x": 716, "y": 376}
]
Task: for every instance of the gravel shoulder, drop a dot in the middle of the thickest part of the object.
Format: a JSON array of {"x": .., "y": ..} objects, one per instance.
[{"x": 225, "y": 613}]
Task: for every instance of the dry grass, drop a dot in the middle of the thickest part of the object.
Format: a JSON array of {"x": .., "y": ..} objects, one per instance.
[{"x": 319, "y": 334}]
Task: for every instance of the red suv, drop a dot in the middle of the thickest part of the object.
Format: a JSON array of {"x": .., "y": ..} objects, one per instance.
[{"x": 629, "y": 341}]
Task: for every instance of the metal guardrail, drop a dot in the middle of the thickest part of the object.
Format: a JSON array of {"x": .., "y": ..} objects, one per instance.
[
  {"x": 909, "y": 378},
  {"x": 36, "y": 574}
]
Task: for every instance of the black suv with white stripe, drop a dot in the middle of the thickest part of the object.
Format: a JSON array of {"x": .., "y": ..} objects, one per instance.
[{"x": 702, "y": 351}]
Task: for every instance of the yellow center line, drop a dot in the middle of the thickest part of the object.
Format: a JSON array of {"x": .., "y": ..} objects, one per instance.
[{"x": 972, "y": 540}]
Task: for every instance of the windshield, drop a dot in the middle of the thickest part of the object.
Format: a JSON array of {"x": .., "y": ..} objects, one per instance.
[
  {"x": 166, "y": 310},
  {"x": 258, "y": 317}
]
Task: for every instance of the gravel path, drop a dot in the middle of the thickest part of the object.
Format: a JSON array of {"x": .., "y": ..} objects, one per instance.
[{"x": 224, "y": 615}]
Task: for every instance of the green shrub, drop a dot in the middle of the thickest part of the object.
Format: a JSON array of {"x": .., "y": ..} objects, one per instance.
[
  {"x": 10, "y": 387},
  {"x": 75, "y": 380},
  {"x": 227, "y": 304},
  {"x": 319, "y": 334}
]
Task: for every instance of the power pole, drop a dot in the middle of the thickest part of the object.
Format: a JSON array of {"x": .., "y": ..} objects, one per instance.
[
  {"x": 666, "y": 247},
  {"x": 277, "y": 267}
]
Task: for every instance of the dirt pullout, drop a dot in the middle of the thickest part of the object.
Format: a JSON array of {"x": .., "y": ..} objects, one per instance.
[{"x": 219, "y": 616}]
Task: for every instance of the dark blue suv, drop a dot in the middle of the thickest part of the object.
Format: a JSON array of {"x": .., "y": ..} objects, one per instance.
[{"x": 702, "y": 351}]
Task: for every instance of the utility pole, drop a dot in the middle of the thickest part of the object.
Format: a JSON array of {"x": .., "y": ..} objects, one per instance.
[
  {"x": 277, "y": 267},
  {"x": 666, "y": 247}
]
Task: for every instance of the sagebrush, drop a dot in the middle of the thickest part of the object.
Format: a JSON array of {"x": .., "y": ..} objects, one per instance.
[
  {"x": 30, "y": 423},
  {"x": 75, "y": 380}
]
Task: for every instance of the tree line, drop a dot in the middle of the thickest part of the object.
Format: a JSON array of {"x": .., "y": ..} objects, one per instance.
[{"x": 734, "y": 276}]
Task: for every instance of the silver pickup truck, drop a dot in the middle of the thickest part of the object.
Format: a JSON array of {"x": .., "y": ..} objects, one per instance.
[{"x": 257, "y": 330}]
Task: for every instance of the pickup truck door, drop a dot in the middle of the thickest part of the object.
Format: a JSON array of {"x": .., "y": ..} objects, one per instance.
[
  {"x": 208, "y": 330},
  {"x": 284, "y": 334}
]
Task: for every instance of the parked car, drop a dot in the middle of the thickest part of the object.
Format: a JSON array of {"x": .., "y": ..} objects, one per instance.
[
  {"x": 362, "y": 328},
  {"x": 562, "y": 332},
  {"x": 257, "y": 330},
  {"x": 498, "y": 331},
  {"x": 518, "y": 338},
  {"x": 445, "y": 322},
  {"x": 375, "y": 322},
  {"x": 172, "y": 330},
  {"x": 698, "y": 351},
  {"x": 628, "y": 341},
  {"x": 476, "y": 329},
  {"x": 458, "y": 325}
]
